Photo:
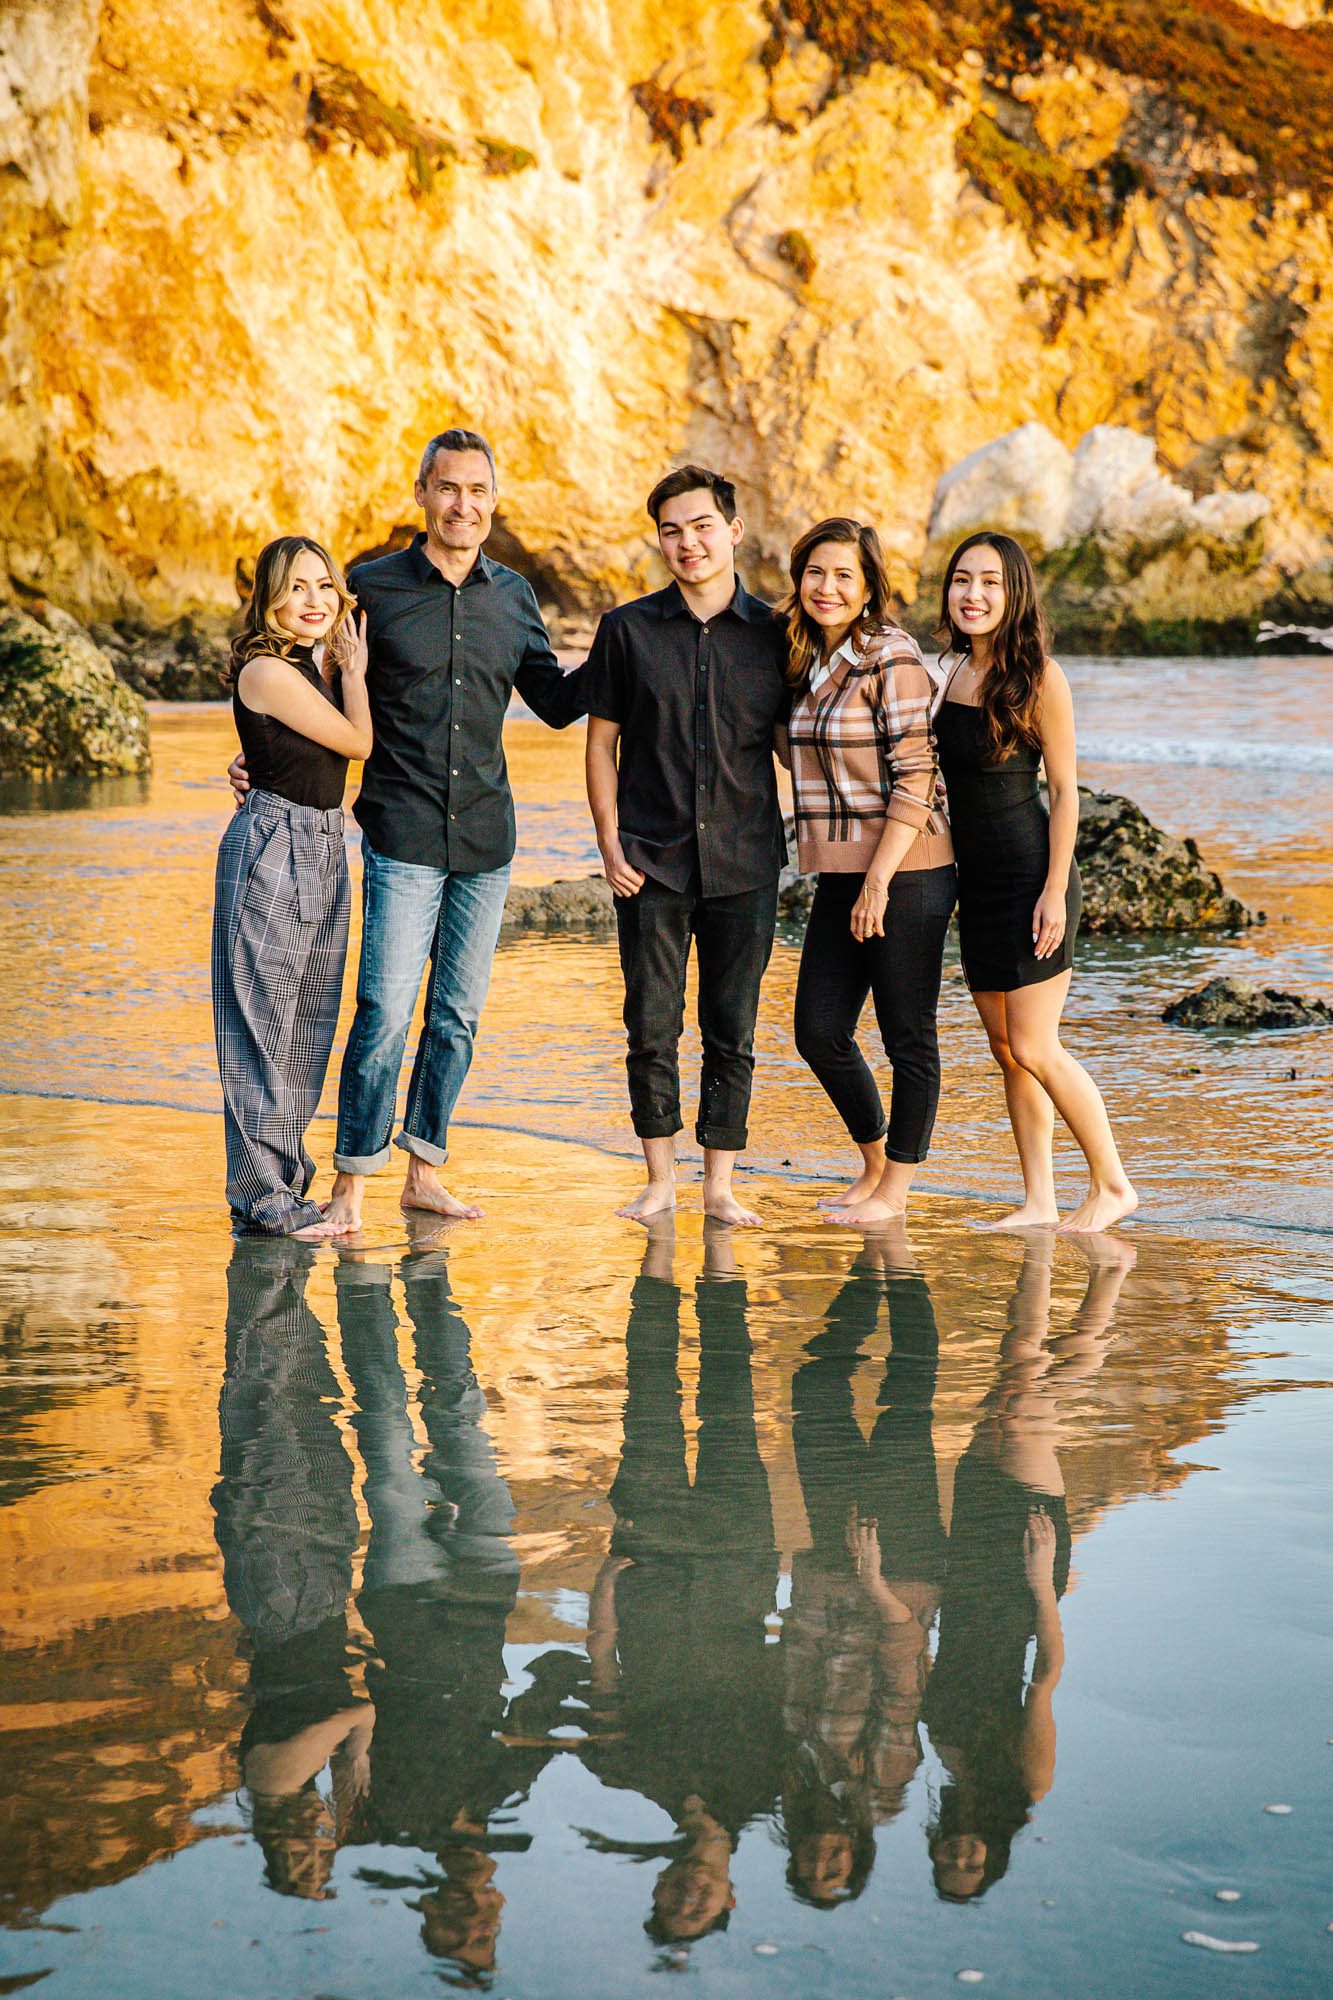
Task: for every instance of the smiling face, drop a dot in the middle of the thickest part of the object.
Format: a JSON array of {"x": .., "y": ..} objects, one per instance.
[
  {"x": 310, "y": 608},
  {"x": 698, "y": 545},
  {"x": 458, "y": 497},
  {"x": 834, "y": 591},
  {"x": 977, "y": 597}
]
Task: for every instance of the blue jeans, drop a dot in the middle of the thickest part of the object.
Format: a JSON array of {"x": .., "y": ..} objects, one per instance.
[{"x": 411, "y": 914}]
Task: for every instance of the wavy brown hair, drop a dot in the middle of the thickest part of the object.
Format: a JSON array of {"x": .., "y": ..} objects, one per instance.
[
  {"x": 260, "y": 631},
  {"x": 1010, "y": 693},
  {"x": 804, "y": 637}
]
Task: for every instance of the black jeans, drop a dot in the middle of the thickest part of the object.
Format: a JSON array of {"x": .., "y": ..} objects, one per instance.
[
  {"x": 733, "y": 938},
  {"x": 902, "y": 971}
]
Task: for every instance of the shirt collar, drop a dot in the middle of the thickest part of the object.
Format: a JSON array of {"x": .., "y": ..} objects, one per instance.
[
  {"x": 670, "y": 603},
  {"x": 482, "y": 570}
]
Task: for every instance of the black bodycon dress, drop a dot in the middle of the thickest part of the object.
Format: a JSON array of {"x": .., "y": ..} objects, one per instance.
[{"x": 1001, "y": 841}]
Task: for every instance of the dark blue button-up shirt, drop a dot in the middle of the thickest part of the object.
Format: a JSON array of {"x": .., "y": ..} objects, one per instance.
[{"x": 443, "y": 663}]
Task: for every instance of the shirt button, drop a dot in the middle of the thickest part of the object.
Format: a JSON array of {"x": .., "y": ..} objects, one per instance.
[{"x": 458, "y": 681}]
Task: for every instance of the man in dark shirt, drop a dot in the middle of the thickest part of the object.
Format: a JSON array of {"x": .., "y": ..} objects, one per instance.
[
  {"x": 450, "y": 634},
  {"x": 684, "y": 689}
]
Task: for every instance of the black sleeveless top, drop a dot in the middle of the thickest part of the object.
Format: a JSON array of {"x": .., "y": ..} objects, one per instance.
[{"x": 281, "y": 760}]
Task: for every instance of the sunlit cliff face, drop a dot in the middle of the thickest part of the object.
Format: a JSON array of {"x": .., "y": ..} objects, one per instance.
[{"x": 252, "y": 272}]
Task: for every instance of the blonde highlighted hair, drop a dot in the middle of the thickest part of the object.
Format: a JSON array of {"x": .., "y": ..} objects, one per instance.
[{"x": 260, "y": 631}]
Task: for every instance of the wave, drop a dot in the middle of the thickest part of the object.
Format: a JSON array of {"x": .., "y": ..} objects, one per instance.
[{"x": 1229, "y": 753}]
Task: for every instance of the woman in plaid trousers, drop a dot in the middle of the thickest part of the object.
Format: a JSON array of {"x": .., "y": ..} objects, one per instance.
[{"x": 281, "y": 908}]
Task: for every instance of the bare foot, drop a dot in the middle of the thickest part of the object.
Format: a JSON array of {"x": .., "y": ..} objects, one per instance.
[
  {"x": 423, "y": 1188},
  {"x": 867, "y": 1214},
  {"x": 1032, "y": 1215},
  {"x": 658, "y": 1198},
  {"x": 1103, "y": 1207},
  {"x": 315, "y": 1232},
  {"x": 860, "y": 1190},
  {"x": 721, "y": 1204},
  {"x": 342, "y": 1211}
]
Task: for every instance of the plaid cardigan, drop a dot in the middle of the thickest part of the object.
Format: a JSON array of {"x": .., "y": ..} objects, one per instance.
[{"x": 863, "y": 753}]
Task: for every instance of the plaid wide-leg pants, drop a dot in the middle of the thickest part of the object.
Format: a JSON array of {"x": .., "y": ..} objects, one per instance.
[{"x": 279, "y": 945}]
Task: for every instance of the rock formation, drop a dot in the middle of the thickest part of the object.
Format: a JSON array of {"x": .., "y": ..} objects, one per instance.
[
  {"x": 63, "y": 712},
  {"x": 835, "y": 247},
  {"x": 1135, "y": 877},
  {"x": 1231, "y": 1003},
  {"x": 557, "y": 906},
  {"x": 1126, "y": 555}
]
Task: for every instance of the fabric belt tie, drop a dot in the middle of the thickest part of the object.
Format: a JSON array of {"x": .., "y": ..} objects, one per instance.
[{"x": 315, "y": 837}]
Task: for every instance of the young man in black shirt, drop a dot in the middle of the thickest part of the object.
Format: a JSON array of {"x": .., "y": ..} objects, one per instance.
[{"x": 684, "y": 689}]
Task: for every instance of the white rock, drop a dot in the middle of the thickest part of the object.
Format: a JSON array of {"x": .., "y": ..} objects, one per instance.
[
  {"x": 1153, "y": 512},
  {"x": 1279, "y": 1812},
  {"x": 1226, "y": 1895},
  {"x": 970, "y": 1978},
  {"x": 1229, "y": 1945},
  {"x": 765, "y": 1951},
  {"x": 1109, "y": 462},
  {"x": 1226, "y": 516},
  {"x": 1019, "y": 484}
]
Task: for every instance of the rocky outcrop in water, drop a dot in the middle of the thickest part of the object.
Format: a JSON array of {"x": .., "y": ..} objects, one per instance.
[
  {"x": 1138, "y": 878},
  {"x": 63, "y": 712},
  {"x": 615, "y": 237},
  {"x": 1127, "y": 556},
  {"x": 557, "y": 906},
  {"x": 1231, "y": 1003},
  {"x": 1135, "y": 877}
]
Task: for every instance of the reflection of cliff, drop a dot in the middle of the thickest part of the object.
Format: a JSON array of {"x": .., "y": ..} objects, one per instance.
[{"x": 836, "y": 247}]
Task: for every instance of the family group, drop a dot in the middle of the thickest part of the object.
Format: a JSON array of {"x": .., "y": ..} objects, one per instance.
[{"x": 916, "y": 787}]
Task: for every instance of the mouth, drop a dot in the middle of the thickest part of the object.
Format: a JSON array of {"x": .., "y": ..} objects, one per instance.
[{"x": 827, "y": 604}]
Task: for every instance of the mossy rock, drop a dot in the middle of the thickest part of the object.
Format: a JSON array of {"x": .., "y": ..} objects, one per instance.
[
  {"x": 63, "y": 712},
  {"x": 557, "y": 906}
]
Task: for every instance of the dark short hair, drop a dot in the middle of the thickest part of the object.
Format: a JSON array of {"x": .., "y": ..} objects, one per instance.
[
  {"x": 694, "y": 479},
  {"x": 455, "y": 440}
]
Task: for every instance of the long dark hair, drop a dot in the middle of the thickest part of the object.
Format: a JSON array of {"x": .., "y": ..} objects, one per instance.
[
  {"x": 804, "y": 636},
  {"x": 1010, "y": 693},
  {"x": 260, "y": 632}
]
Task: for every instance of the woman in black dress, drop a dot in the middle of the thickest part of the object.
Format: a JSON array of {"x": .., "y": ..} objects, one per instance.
[{"x": 1006, "y": 710}]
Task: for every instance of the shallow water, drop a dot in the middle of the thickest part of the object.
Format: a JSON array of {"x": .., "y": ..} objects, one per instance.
[
  {"x": 106, "y": 914},
  {"x": 483, "y": 1608}
]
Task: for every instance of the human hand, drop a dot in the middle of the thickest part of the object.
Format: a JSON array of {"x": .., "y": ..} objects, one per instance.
[
  {"x": 238, "y": 778},
  {"x": 1039, "y": 1551},
  {"x": 624, "y": 880},
  {"x": 868, "y": 909},
  {"x": 1048, "y": 923},
  {"x": 347, "y": 646}
]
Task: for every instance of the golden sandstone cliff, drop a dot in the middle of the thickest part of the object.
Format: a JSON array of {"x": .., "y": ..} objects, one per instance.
[{"x": 254, "y": 254}]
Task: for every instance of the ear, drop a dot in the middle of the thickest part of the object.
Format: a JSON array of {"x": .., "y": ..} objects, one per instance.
[
  {"x": 737, "y": 532},
  {"x": 419, "y": 493}
]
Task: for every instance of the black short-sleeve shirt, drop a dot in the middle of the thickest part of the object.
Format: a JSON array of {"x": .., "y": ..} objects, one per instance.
[
  {"x": 697, "y": 703},
  {"x": 443, "y": 663}
]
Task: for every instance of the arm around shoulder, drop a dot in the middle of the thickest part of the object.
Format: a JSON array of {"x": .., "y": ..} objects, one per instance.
[{"x": 271, "y": 686}]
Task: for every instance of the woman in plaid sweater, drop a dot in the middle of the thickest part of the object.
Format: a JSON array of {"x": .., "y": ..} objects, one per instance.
[{"x": 869, "y": 820}]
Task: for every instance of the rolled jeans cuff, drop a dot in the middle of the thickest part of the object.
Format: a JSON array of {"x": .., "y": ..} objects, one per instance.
[
  {"x": 358, "y": 1163},
  {"x": 901, "y": 1159},
  {"x": 722, "y": 1138},
  {"x": 422, "y": 1149},
  {"x": 662, "y": 1127}
]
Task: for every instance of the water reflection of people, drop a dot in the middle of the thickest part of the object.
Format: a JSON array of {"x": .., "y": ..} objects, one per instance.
[
  {"x": 287, "y": 1529},
  {"x": 1009, "y": 1547},
  {"x": 684, "y": 1691},
  {"x": 864, "y": 1595},
  {"x": 420, "y": 1764}
]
